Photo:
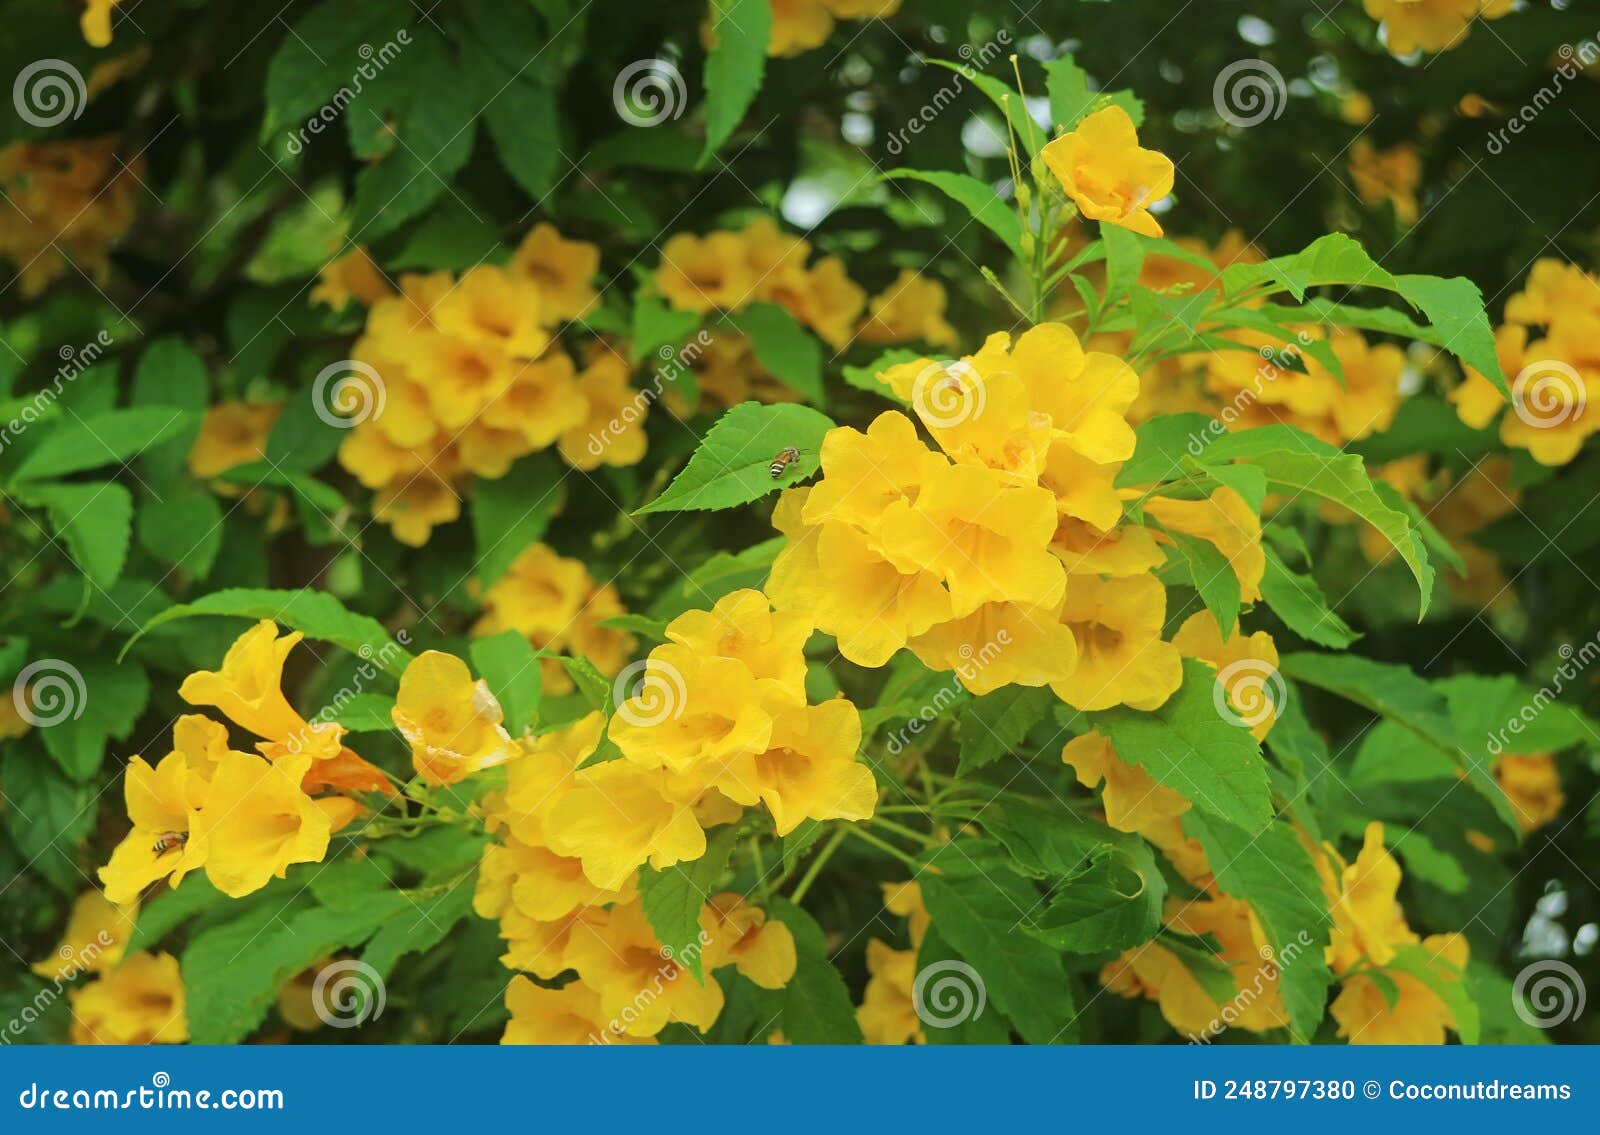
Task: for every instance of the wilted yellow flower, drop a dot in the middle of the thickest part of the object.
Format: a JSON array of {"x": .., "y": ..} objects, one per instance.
[
  {"x": 1107, "y": 174},
  {"x": 451, "y": 722}
]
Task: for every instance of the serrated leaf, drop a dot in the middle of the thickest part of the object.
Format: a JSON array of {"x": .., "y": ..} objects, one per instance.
[
  {"x": 95, "y": 519},
  {"x": 172, "y": 909},
  {"x": 1299, "y": 602},
  {"x": 994, "y": 724},
  {"x": 115, "y": 697},
  {"x": 815, "y": 1007},
  {"x": 967, "y": 1022},
  {"x": 732, "y": 465},
  {"x": 740, "y": 31},
  {"x": 1189, "y": 746},
  {"x": 417, "y": 931},
  {"x": 1212, "y": 575},
  {"x": 47, "y": 815},
  {"x": 317, "y": 614},
  {"x": 978, "y": 198},
  {"x": 673, "y": 898}
]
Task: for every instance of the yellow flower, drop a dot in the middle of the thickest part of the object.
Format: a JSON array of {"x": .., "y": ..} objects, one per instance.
[
  {"x": 1225, "y": 521},
  {"x": 743, "y": 627},
  {"x": 376, "y": 460},
  {"x": 699, "y": 274},
  {"x": 1553, "y": 288},
  {"x": 564, "y": 271},
  {"x": 619, "y": 957},
  {"x": 618, "y": 816},
  {"x": 809, "y": 770},
  {"x": 905, "y": 900},
  {"x": 486, "y": 451},
  {"x": 613, "y": 431},
  {"x": 451, "y": 722},
  {"x": 1418, "y": 1015},
  {"x": 841, "y": 582},
  {"x": 493, "y": 306},
  {"x": 1356, "y": 108},
  {"x": 569, "y": 1015},
  {"x": 1391, "y": 175},
  {"x": 257, "y": 821},
  {"x": 1430, "y": 25},
  {"x": 232, "y": 433},
  {"x": 863, "y": 474},
  {"x": 798, "y": 26},
  {"x": 888, "y": 1014},
  {"x": 1121, "y": 658},
  {"x": 1133, "y": 800},
  {"x": 738, "y": 934},
  {"x": 1245, "y": 666},
  {"x": 413, "y": 507},
  {"x": 1085, "y": 549},
  {"x": 1108, "y": 176},
  {"x": 1476, "y": 400},
  {"x": 141, "y": 1001},
  {"x": 96, "y": 935},
  {"x": 543, "y": 401},
  {"x": 95, "y": 23},
  {"x": 1001, "y": 644},
  {"x": 538, "y": 882},
  {"x": 1368, "y": 922},
  {"x": 166, "y": 841},
  {"x": 353, "y": 276},
  {"x": 538, "y": 776},
  {"x": 1533, "y": 783},
  {"x": 1556, "y": 394},
  {"x": 248, "y": 687},
  {"x": 1087, "y": 395},
  {"x": 909, "y": 309},
  {"x": 461, "y": 375},
  {"x": 828, "y": 300},
  {"x": 987, "y": 540}
]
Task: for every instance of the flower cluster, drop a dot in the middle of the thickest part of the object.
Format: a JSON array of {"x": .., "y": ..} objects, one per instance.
[
  {"x": 241, "y": 817},
  {"x": 70, "y": 203},
  {"x": 1430, "y": 25},
  {"x": 1556, "y": 376},
  {"x": 470, "y": 377},
  {"x": 557, "y": 605},
  {"x": 1014, "y": 534},
  {"x": 727, "y": 271}
]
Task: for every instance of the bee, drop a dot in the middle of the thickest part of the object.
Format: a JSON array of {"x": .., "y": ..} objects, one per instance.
[
  {"x": 786, "y": 457},
  {"x": 170, "y": 841}
]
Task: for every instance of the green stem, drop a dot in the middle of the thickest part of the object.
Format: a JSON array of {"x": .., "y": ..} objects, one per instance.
[
  {"x": 883, "y": 845},
  {"x": 817, "y": 864}
]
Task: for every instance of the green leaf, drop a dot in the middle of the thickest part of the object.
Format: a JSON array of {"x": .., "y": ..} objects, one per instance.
[
  {"x": 47, "y": 815},
  {"x": 1071, "y": 99},
  {"x": 514, "y": 511},
  {"x": 1212, "y": 576},
  {"x": 1112, "y": 903},
  {"x": 1189, "y": 746},
  {"x": 1273, "y": 872},
  {"x": 1495, "y": 715},
  {"x": 115, "y": 697},
  {"x": 508, "y": 662},
  {"x": 785, "y": 349},
  {"x": 414, "y": 124},
  {"x": 815, "y": 1007},
  {"x": 976, "y": 901},
  {"x": 740, "y": 31},
  {"x": 317, "y": 614},
  {"x": 978, "y": 198},
  {"x": 1343, "y": 481},
  {"x": 366, "y": 713},
  {"x": 301, "y": 439},
  {"x": 952, "y": 1013},
  {"x": 170, "y": 374},
  {"x": 866, "y": 377},
  {"x": 799, "y": 841},
  {"x": 1454, "y": 306},
  {"x": 95, "y": 519},
  {"x": 659, "y": 330},
  {"x": 673, "y": 898},
  {"x": 1395, "y": 693},
  {"x": 732, "y": 465},
  {"x": 1299, "y": 602},
  {"x": 1124, "y": 259},
  {"x": 1332, "y": 259},
  {"x": 172, "y": 909},
  {"x": 523, "y": 120},
  {"x": 418, "y": 931},
  {"x": 993, "y": 725},
  {"x": 183, "y": 528},
  {"x": 232, "y": 973},
  {"x": 318, "y": 58}
]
